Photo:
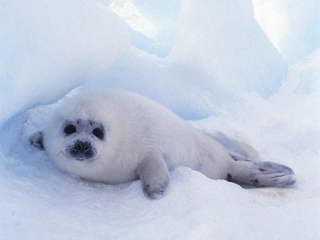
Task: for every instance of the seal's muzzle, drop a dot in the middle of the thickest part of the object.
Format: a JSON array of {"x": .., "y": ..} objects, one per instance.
[{"x": 81, "y": 150}]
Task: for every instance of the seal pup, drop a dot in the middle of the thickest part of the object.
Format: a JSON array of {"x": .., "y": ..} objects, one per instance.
[{"x": 116, "y": 136}]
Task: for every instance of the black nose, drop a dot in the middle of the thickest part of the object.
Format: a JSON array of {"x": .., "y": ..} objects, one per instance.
[{"x": 81, "y": 150}]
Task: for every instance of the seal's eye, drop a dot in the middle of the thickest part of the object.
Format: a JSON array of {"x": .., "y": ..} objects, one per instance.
[
  {"x": 69, "y": 129},
  {"x": 98, "y": 132}
]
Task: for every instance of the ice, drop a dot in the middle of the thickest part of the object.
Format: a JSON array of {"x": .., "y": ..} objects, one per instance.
[
  {"x": 223, "y": 39},
  {"x": 304, "y": 76},
  {"x": 216, "y": 59},
  {"x": 292, "y": 25},
  {"x": 49, "y": 47},
  {"x": 51, "y": 62},
  {"x": 242, "y": 59},
  {"x": 153, "y": 23},
  {"x": 43, "y": 57}
]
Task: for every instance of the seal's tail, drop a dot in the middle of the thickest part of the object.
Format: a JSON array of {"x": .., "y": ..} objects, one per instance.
[{"x": 261, "y": 174}]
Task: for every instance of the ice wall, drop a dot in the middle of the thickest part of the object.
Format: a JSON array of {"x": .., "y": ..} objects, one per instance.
[
  {"x": 292, "y": 25},
  {"x": 153, "y": 23},
  {"x": 223, "y": 39},
  {"x": 304, "y": 77},
  {"x": 219, "y": 55},
  {"x": 48, "y": 47}
]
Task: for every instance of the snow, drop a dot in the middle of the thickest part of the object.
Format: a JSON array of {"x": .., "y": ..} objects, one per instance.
[
  {"x": 223, "y": 39},
  {"x": 292, "y": 25},
  {"x": 227, "y": 30},
  {"x": 40, "y": 201},
  {"x": 189, "y": 92},
  {"x": 153, "y": 23},
  {"x": 44, "y": 55},
  {"x": 44, "y": 48}
]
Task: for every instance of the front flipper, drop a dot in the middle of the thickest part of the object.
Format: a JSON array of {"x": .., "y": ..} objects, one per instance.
[
  {"x": 154, "y": 174},
  {"x": 262, "y": 174}
]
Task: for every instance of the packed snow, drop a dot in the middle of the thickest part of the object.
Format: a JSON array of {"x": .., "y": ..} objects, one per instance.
[{"x": 224, "y": 69}]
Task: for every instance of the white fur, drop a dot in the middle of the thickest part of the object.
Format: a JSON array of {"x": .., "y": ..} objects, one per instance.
[
  {"x": 144, "y": 140},
  {"x": 135, "y": 128}
]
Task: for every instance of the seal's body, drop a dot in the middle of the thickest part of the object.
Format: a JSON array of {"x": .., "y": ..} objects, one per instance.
[{"x": 118, "y": 136}]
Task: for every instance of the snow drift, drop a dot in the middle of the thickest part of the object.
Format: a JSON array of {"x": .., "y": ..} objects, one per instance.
[
  {"x": 292, "y": 25},
  {"x": 219, "y": 55},
  {"x": 223, "y": 39},
  {"x": 48, "y": 47},
  {"x": 51, "y": 51},
  {"x": 153, "y": 23}
]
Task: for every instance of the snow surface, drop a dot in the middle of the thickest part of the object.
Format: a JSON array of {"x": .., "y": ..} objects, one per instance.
[{"x": 44, "y": 54}]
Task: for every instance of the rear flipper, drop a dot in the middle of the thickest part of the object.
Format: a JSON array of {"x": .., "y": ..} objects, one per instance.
[{"x": 261, "y": 174}]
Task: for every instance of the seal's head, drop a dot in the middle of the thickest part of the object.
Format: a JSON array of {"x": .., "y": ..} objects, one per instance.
[
  {"x": 73, "y": 140},
  {"x": 77, "y": 136}
]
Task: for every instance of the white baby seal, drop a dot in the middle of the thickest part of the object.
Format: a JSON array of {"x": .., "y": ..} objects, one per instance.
[{"x": 116, "y": 136}]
